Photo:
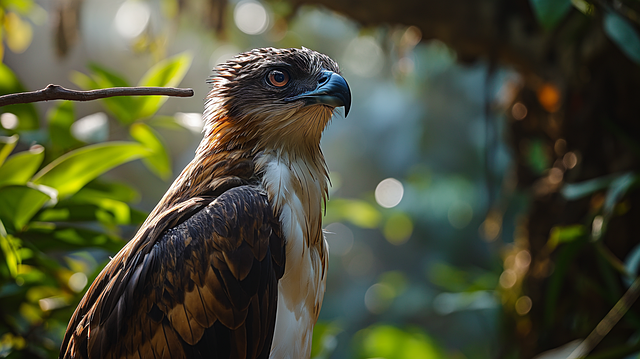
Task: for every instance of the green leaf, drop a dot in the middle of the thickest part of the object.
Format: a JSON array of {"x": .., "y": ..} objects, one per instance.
[
  {"x": 563, "y": 259},
  {"x": 20, "y": 6},
  {"x": 69, "y": 173},
  {"x": 358, "y": 212},
  {"x": 60, "y": 119},
  {"x": 10, "y": 246},
  {"x": 623, "y": 34},
  {"x": 324, "y": 339},
  {"x": 550, "y": 12},
  {"x": 565, "y": 234},
  {"x": 65, "y": 238},
  {"x": 537, "y": 157},
  {"x": 159, "y": 162},
  {"x": 118, "y": 191},
  {"x": 18, "y": 204},
  {"x": 26, "y": 112},
  {"x": 19, "y": 168},
  {"x": 386, "y": 341},
  {"x": 123, "y": 108},
  {"x": 7, "y": 144},
  {"x": 166, "y": 73}
]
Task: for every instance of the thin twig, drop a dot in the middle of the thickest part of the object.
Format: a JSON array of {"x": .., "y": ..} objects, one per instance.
[
  {"x": 56, "y": 92},
  {"x": 604, "y": 327}
]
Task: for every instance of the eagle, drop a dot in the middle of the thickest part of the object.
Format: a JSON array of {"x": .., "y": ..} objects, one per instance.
[{"x": 232, "y": 262}]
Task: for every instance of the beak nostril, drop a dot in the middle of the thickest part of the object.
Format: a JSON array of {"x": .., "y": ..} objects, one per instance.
[{"x": 324, "y": 78}]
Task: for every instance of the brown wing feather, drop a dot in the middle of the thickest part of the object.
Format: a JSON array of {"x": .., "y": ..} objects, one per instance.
[{"x": 206, "y": 287}]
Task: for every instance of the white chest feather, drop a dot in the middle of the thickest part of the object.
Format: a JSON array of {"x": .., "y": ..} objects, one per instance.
[{"x": 298, "y": 193}]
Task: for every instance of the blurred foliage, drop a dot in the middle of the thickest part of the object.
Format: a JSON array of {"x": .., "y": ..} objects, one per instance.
[
  {"x": 58, "y": 219},
  {"x": 442, "y": 274}
]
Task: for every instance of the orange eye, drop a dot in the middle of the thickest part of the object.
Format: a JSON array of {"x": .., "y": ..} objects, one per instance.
[{"x": 278, "y": 78}]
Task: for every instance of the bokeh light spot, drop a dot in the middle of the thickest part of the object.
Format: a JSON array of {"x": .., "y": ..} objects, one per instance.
[
  {"x": 78, "y": 281},
  {"x": 222, "y": 54},
  {"x": 91, "y": 128},
  {"x": 364, "y": 57},
  {"x": 508, "y": 278},
  {"x": 522, "y": 260},
  {"x": 361, "y": 262},
  {"x": 191, "y": 121},
  {"x": 9, "y": 120},
  {"x": 570, "y": 160},
  {"x": 460, "y": 214},
  {"x": 398, "y": 228},
  {"x": 549, "y": 97},
  {"x": 523, "y": 305},
  {"x": 51, "y": 303},
  {"x": 491, "y": 227},
  {"x": 339, "y": 237},
  {"x": 389, "y": 192},
  {"x": 555, "y": 175},
  {"x": 378, "y": 298},
  {"x": 251, "y": 17},
  {"x": 519, "y": 111},
  {"x": 132, "y": 18}
]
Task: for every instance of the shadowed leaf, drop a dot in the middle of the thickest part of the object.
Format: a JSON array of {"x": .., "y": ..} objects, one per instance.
[{"x": 19, "y": 168}]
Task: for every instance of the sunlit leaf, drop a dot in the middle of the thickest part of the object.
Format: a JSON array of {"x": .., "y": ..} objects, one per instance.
[
  {"x": 19, "y": 168},
  {"x": 550, "y": 12},
  {"x": 106, "y": 211},
  {"x": 7, "y": 144},
  {"x": 385, "y": 341},
  {"x": 26, "y": 112},
  {"x": 20, "y": 6},
  {"x": 166, "y": 73},
  {"x": 60, "y": 119},
  {"x": 67, "y": 174},
  {"x": 449, "y": 277},
  {"x": 358, "y": 212},
  {"x": 123, "y": 108},
  {"x": 18, "y": 32},
  {"x": 158, "y": 162},
  {"x": 623, "y": 34},
  {"x": 324, "y": 339},
  {"x": 18, "y": 204},
  {"x": 565, "y": 234},
  {"x": 10, "y": 246},
  {"x": 398, "y": 228}
]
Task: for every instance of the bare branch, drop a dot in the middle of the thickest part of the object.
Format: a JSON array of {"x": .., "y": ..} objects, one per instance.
[
  {"x": 611, "y": 319},
  {"x": 56, "y": 92}
]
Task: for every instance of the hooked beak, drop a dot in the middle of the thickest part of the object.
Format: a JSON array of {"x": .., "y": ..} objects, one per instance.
[{"x": 332, "y": 90}]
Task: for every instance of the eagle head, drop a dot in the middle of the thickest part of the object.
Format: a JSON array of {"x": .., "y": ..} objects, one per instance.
[{"x": 273, "y": 99}]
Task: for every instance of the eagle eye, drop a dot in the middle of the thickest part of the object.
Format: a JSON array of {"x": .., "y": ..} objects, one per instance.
[{"x": 278, "y": 78}]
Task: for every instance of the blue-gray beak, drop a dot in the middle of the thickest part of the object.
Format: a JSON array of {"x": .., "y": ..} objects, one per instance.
[{"x": 332, "y": 90}]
